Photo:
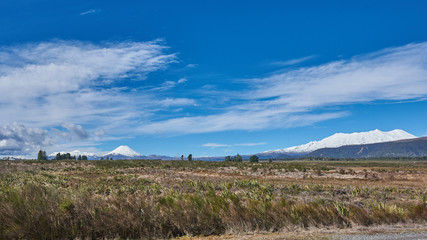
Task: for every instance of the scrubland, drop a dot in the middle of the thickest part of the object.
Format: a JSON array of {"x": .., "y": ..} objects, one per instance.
[{"x": 146, "y": 199}]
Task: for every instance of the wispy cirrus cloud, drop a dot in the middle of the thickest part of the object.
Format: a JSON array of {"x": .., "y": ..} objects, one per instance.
[
  {"x": 90, "y": 11},
  {"x": 177, "y": 102},
  {"x": 215, "y": 145},
  {"x": 308, "y": 95},
  {"x": 192, "y": 65},
  {"x": 391, "y": 74},
  {"x": 293, "y": 61},
  {"x": 64, "y": 66},
  {"x": 63, "y": 81},
  {"x": 248, "y": 120},
  {"x": 167, "y": 85}
]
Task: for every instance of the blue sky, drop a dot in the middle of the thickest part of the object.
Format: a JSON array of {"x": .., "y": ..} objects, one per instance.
[{"x": 207, "y": 77}]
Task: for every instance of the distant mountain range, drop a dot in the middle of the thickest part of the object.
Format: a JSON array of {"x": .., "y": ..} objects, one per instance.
[
  {"x": 342, "y": 139},
  {"x": 376, "y": 143},
  {"x": 415, "y": 147}
]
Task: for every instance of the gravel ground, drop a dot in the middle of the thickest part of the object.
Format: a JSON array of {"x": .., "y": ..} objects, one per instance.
[
  {"x": 394, "y": 232},
  {"x": 385, "y": 236}
]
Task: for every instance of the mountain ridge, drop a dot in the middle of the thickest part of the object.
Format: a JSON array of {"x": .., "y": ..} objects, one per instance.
[
  {"x": 343, "y": 139},
  {"x": 415, "y": 147}
]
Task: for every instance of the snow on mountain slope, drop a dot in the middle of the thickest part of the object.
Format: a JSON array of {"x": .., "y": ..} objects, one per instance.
[
  {"x": 77, "y": 153},
  {"x": 124, "y": 151},
  {"x": 342, "y": 139}
]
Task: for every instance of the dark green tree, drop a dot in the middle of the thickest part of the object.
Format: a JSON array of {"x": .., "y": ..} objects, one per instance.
[
  {"x": 80, "y": 157},
  {"x": 190, "y": 157},
  {"x": 182, "y": 157},
  {"x": 102, "y": 158},
  {"x": 58, "y": 156},
  {"x": 238, "y": 158},
  {"x": 253, "y": 159},
  {"x": 227, "y": 159},
  {"x": 42, "y": 155},
  {"x": 84, "y": 157}
]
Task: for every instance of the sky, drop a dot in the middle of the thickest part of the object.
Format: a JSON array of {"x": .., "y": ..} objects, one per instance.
[{"x": 211, "y": 78}]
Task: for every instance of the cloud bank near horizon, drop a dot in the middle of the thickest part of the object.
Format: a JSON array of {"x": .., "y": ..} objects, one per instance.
[{"x": 16, "y": 139}]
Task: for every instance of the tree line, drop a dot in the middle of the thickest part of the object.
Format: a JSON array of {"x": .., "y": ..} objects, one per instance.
[
  {"x": 66, "y": 156},
  {"x": 239, "y": 158}
]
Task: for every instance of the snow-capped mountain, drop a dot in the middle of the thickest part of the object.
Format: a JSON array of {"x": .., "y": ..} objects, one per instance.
[
  {"x": 124, "y": 151},
  {"x": 343, "y": 139},
  {"x": 414, "y": 147}
]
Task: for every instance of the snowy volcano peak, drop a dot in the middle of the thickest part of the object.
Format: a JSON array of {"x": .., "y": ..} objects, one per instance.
[
  {"x": 342, "y": 139},
  {"x": 124, "y": 151}
]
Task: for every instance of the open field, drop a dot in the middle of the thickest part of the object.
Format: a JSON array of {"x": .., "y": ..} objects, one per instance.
[{"x": 165, "y": 199}]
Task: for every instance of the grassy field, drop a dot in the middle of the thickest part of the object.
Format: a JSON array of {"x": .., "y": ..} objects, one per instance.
[{"x": 165, "y": 199}]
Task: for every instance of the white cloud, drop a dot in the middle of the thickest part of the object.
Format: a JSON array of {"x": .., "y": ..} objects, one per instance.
[
  {"x": 192, "y": 65},
  {"x": 167, "y": 85},
  {"x": 45, "y": 85},
  {"x": 76, "y": 130},
  {"x": 168, "y": 102},
  {"x": 182, "y": 80},
  {"x": 42, "y": 69},
  {"x": 99, "y": 133},
  {"x": 91, "y": 11},
  {"x": 303, "y": 96},
  {"x": 293, "y": 61},
  {"x": 66, "y": 81},
  {"x": 215, "y": 145},
  {"x": 392, "y": 74},
  {"x": 16, "y": 139},
  {"x": 234, "y": 120}
]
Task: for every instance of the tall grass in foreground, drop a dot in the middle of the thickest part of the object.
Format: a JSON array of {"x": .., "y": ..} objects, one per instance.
[
  {"x": 43, "y": 212},
  {"x": 165, "y": 199}
]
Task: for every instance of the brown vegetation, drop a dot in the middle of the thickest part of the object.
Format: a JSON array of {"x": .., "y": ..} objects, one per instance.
[{"x": 163, "y": 199}]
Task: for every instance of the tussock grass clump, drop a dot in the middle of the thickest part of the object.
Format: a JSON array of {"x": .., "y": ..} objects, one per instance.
[{"x": 40, "y": 212}]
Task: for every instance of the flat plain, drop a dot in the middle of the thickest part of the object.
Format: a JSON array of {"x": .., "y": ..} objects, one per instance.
[{"x": 153, "y": 199}]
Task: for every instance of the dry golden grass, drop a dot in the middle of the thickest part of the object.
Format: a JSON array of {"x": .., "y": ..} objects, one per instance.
[{"x": 165, "y": 199}]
